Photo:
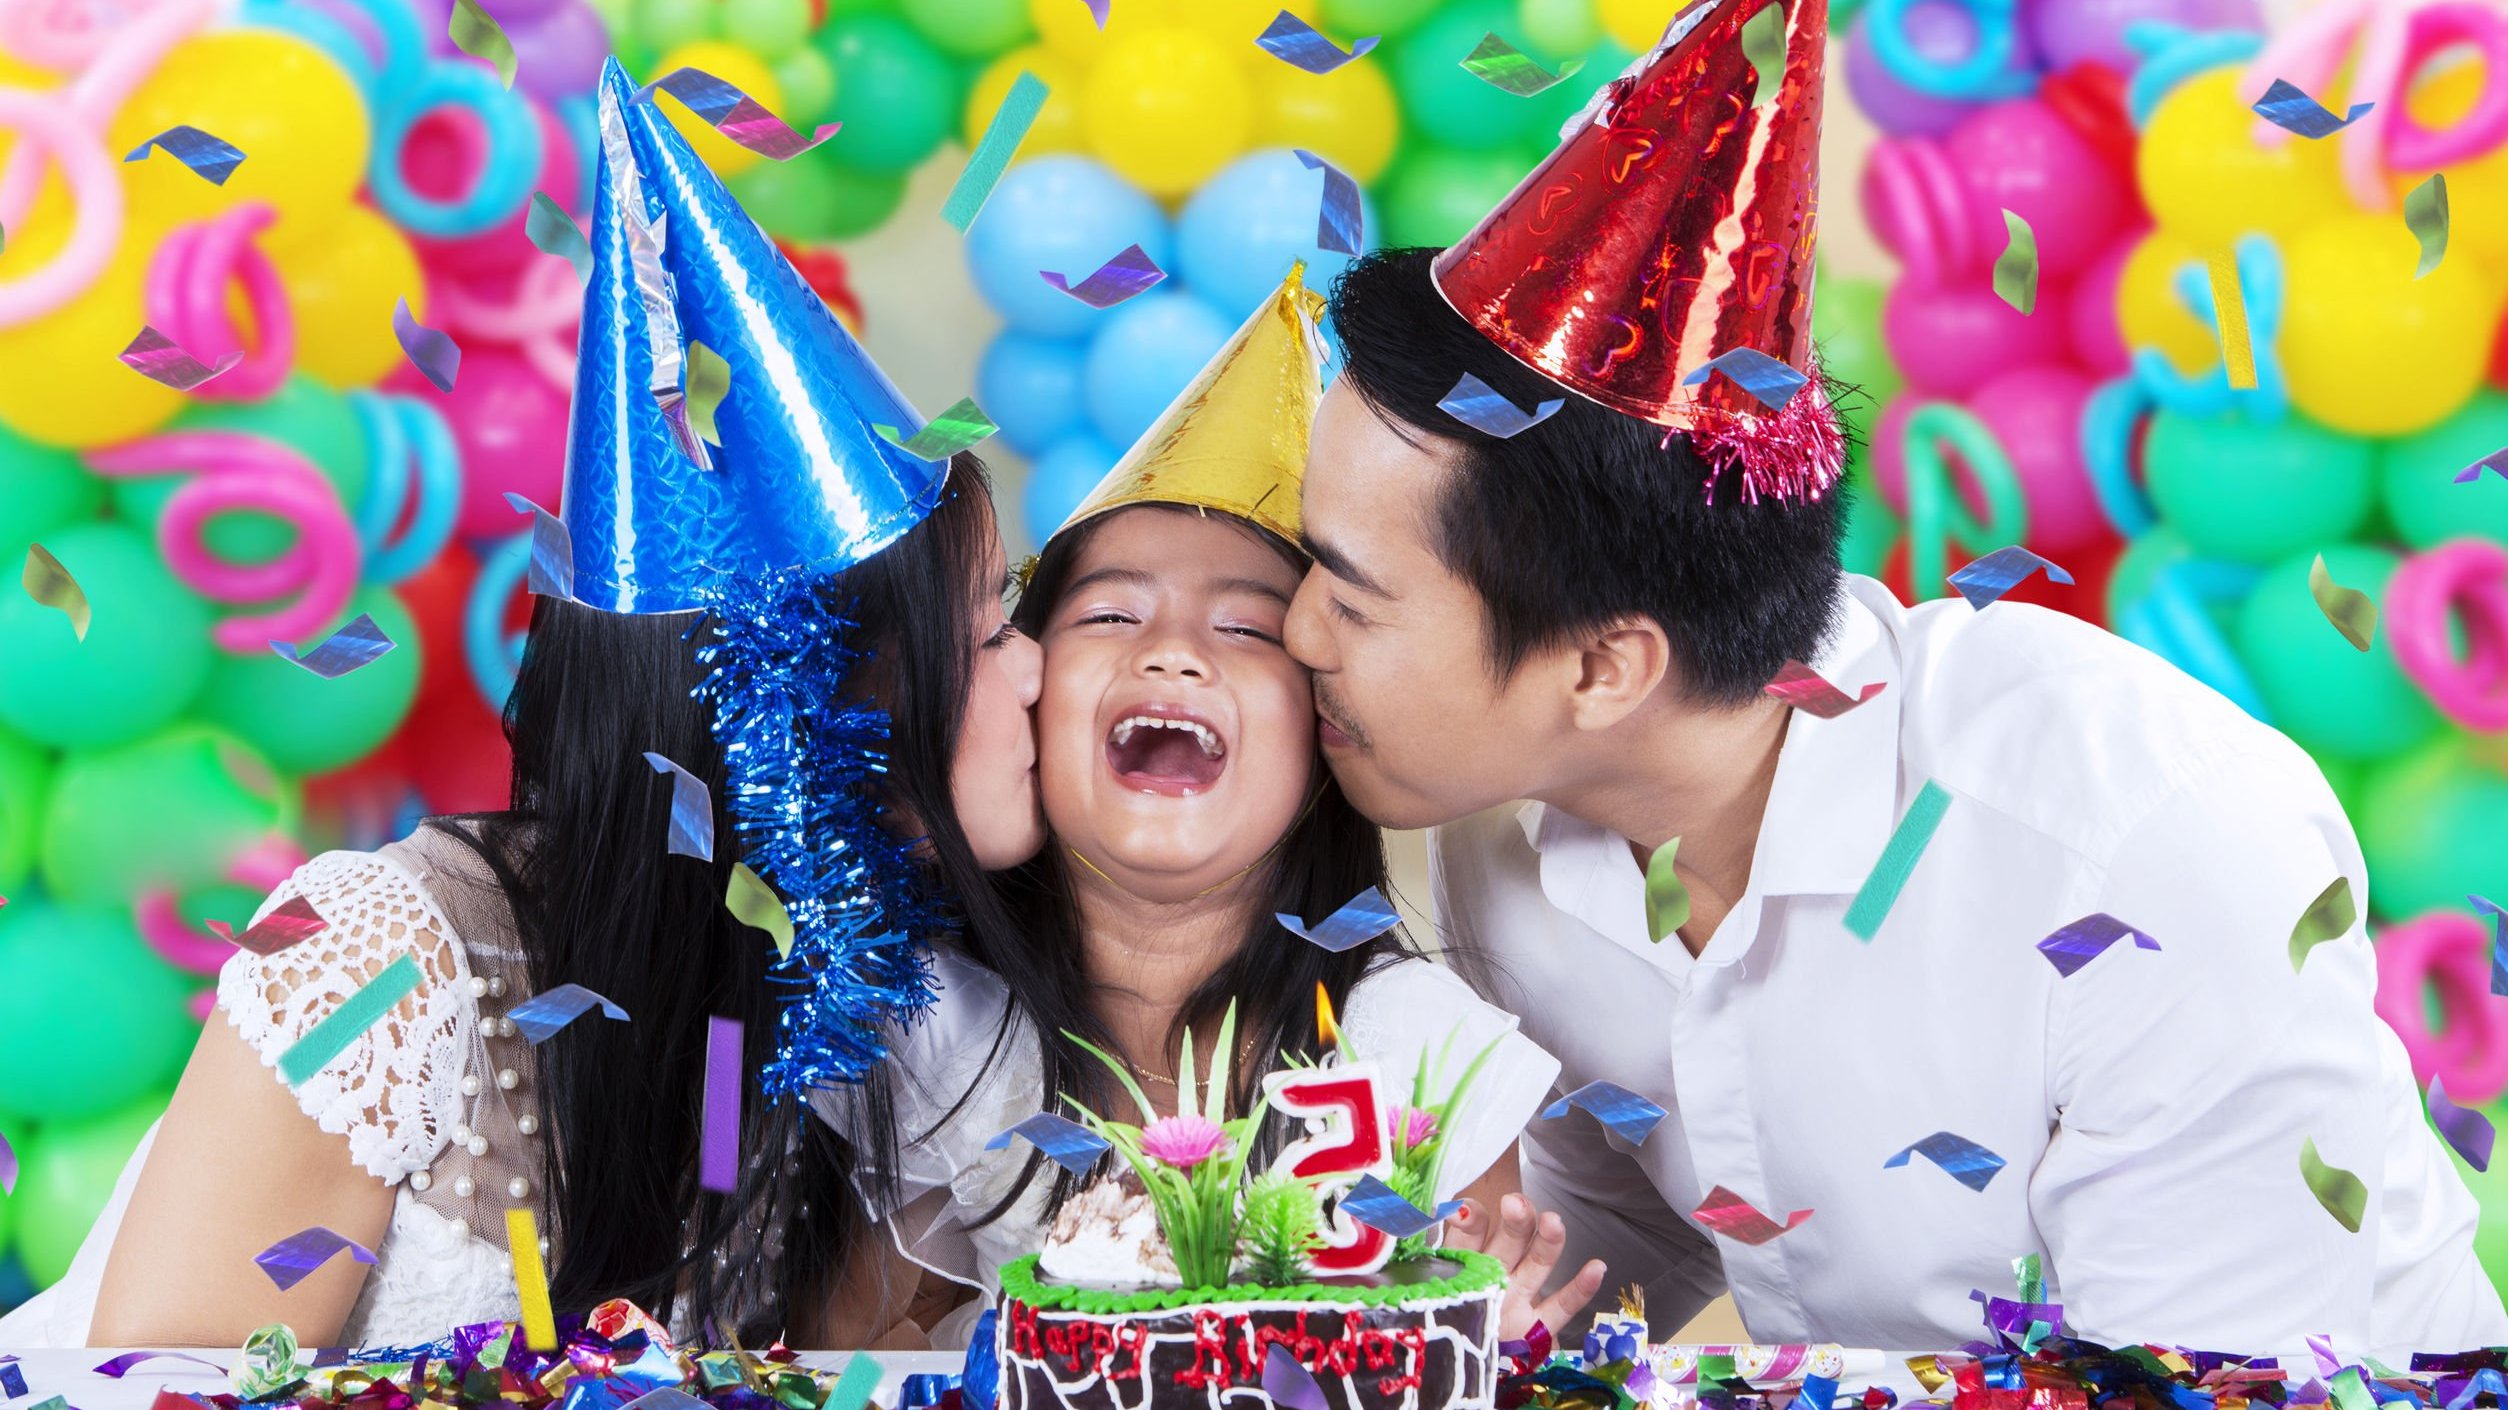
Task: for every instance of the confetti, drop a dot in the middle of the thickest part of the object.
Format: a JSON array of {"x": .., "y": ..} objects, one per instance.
[
  {"x": 269, "y": 1363},
  {"x": 1732, "y": 1216},
  {"x": 543, "y": 1014},
  {"x": 1361, "y": 918},
  {"x": 1339, "y": 223},
  {"x": 554, "y": 232},
  {"x": 2328, "y": 917},
  {"x": 329, "y": 1038},
  {"x": 351, "y": 648},
  {"x": 552, "y": 572},
  {"x": 1984, "y": 581},
  {"x": 1667, "y": 900},
  {"x": 1501, "y": 65},
  {"x": 1799, "y": 686},
  {"x": 290, "y": 922},
  {"x": 1067, "y": 1143},
  {"x": 692, "y": 810},
  {"x": 213, "y": 159},
  {"x": 2497, "y": 461},
  {"x": 1289, "y": 1385},
  {"x": 1622, "y": 1112},
  {"x": 1960, "y": 1158},
  {"x": 1771, "y": 383},
  {"x": 993, "y": 151},
  {"x": 436, "y": 356},
  {"x": 2229, "y": 305},
  {"x": 2468, "y": 1132},
  {"x": 2349, "y": 609},
  {"x": 2425, "y": 214},
  {"x": 736, "y": 115},
  {"x": 2086, "y": 939},
  {"x": 718, "y": 1151},
  {"x": 12, "y": 1380},
  {"x": 709, "y": 381},
  {"x": 531, "y": 1279},
  {"x": 2288, "y": 107},
  {"x": 51, "y": 586},
  {"x": 1097, "y": 10},
  {"x": 1379, "y": 1206},
  {"x": 2499, "y": 942},
  {"x": 2016, "y": 272},
  {"x": 475, "y": 32},
  {"x": 962, "y": 425},
  {"x": 1293, "y": 41},
  {"x": 1113, "y": 282},
  {"x": 8, "y": 1166},
  {"x": 1763, "y": 43},
  {"x": 1889, "y": 876},
  {"x": 2337, "y": 1189},
  {"x": 1489, "y": 411},
  {"x": 852, "y": 1390},
  {"x": 752, "y": 902},
  {"x": 160, "y": 359},
  {"x": 292, "y": 1259}
]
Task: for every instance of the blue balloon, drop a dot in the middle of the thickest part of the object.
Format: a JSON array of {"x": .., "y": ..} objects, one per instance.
[
  {"x": 1064, "y": 214},
  {"x": 1060, "y": 479},
  {"x": 1147, "y": 352},
  {"x": 1031, "y": 387},
  {"x": 1239, "y": 233}
]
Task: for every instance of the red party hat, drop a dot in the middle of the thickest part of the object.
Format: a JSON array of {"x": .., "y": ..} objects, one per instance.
[{"x": 1675, "y": 225}]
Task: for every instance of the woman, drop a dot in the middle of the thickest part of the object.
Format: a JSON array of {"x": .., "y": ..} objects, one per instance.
[{"x": 419, "y": 1137}]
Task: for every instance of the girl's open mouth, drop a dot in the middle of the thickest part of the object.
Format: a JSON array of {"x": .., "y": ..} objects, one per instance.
[{"x": 1166, "y": 751}]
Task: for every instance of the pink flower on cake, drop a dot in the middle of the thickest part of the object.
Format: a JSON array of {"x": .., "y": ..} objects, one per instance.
[
  {"x": 1411, "y": 1127},
  {"x": 1183, "y": 1141}
]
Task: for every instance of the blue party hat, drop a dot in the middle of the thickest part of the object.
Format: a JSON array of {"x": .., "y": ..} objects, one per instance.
[{"x": 799, "y": 479}]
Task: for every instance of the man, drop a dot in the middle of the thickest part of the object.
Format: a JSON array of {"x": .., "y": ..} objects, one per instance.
[{"x": 1840, "y": 958}]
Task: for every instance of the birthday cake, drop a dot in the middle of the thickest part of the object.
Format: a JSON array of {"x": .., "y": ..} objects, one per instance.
[{"x": 1181, "y": 1282}]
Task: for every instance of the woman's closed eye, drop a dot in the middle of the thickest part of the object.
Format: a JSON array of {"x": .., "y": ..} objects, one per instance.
[{"x": 1002, "y": 636}]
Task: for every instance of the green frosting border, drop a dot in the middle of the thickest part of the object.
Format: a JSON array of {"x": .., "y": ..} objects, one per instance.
[{"x": 1481, "y": 1273}]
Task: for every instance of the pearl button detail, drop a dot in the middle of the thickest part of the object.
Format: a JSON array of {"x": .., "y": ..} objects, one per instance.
[
  {"x": 461, "y": 1133},
  {"x": 461, "y": 1228},
  {"x": 478, "y": 987},
  {"x": 507, "y": 1078},
  {"x": 478, "y": 1146},
  {"x": 470, "y": 1086},
  {"x": 528, "y": 1124},
  {"x": 496, "y": 987},
  {"x": 518, "y": 1187},
  {"x": 421, "y": 1181},
  {"x": 464, "y": 1187}
]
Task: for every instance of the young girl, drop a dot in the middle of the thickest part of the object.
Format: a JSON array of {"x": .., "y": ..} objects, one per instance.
[{"x": 1188, "y": 805}]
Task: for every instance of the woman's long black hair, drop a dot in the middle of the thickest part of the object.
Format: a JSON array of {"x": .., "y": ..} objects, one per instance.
[
  {"x": 599, "y": 902},
  {"x": 1331, "y": 854}
]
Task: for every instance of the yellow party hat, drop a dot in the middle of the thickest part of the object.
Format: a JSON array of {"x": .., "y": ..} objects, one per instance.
[{"x": 1235, "y": 440}]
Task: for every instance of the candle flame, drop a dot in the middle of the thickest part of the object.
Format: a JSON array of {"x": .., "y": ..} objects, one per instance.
[{"x": 1325, "y": 1027}]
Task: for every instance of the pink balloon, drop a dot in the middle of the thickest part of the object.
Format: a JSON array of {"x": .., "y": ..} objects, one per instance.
[
  {"x": 2021, "y": 157},
  {"x": 2036, "y": 413},
  {"x": 441, "y": 160},
  {"x": 1950, "y": 339},
  {"x": 510, "y": 423},
  {"x": 2098, "y": 334},
  {"x": 2446, "y": 951}
]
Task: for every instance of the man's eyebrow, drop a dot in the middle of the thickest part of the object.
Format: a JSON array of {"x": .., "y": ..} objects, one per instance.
[{"x": 1338, "y": 564}]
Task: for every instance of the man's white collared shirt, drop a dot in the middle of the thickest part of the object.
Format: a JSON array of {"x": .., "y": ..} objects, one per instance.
[{"x": 2150, "y": 1109}]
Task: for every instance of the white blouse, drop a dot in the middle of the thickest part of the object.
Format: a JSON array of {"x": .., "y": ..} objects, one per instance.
[{"x": 948, "y": 1180}]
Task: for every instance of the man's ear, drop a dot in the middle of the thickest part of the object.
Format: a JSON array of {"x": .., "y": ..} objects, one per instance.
[{"x": 1619, "y": 667}]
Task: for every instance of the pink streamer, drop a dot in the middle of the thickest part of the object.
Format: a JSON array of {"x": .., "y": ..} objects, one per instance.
[
  {"x": 195, "y": 951},
  {"x": 187, "y": 300},
  {"x": 2449, "y": 952},
  {"x": 2467, "y": 578}
]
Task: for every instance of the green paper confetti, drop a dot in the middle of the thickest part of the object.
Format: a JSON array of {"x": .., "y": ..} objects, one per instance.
[
  {"x": 709, "y": 381},
  {"x": 51, "y": 585},
  {"x": 1889, "y": 876},
  {"x": 475, "y": 32},
  {"x": 2337, "y": 1189},
  {"x": 752, "y": 902},
  {"x": 270, "y": 1362},
  {"x": 2348, "y": 1391},
  {"x": 993, "y": 151},
  {"x": 553, "y": 232},
  {"x": 1667, "y": 900},
  {"x": 362, "y": 1010},
  {"x": 2329, "y": 917},
  {"x": 961, "y": 426},
  {"x": 2349, "y": 609},
  {"x": 1502, "y": 65},
  {"x": 1763, "y": 43},
  {"x": 2425, "y": 213},
  {"x": 2029, "y": 1274},
  {"x": 2016, "y": 273},
  {"x": 852, "y": 1390}
]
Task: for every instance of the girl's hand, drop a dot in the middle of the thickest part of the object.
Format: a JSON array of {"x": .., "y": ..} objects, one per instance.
[{"x": 1529, "y": 1244}]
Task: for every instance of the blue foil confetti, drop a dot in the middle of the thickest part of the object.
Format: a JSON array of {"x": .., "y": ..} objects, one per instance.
[
  {"x": 2288, "y": 107},
  {"x": 552, "y": 572},
  {"x": 12, "y": 1381},
  {"x": 1339, "y": 225},
  {"x": 1960, "y": 1158},
  {"x": 292, "y": 1259},
  {"x": 736, "y": 115},
  {"x": 1816, "y": 1394},
  {"x": 212, "y": 158},
  {"x": 2499, "y": 942},
  {"x": 1289, "y": 1385},
  {"x": 2086, "y": 939},
  {"x": 1361, "y": 918},
  {"x": 1379, "y": 1206},
  {"x": 2468, "y": 1132},
  {"x": 539, "y": 1017},
  {"x": 1293, "y": 41},
  {"x": 692, "y": 810},
  {"x": 1118, "y": 279},
  {"x": 1770, "y": 382},
  {"x": 1487, "y": 410},
  {"x": 2496, "y": 461},
  {"x": 436, "y": 356},
  {"x": 350, "y": 648},
  {"x": 1067, "y": 1143},
  {"x": 1984, "y": 581},
  {"x": 1624, "y": 1113},
  {"x": 162, "y": 360},
  {"x": 979, "y": 1379}
]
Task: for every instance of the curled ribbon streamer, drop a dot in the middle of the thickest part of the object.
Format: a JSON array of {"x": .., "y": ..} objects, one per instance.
[
  {"x": 198, "y": 951},
  {"x": 2383, "y": 44},
  {"x": 2425, "y": 596},
  {"x": 540, "y": 317},
  {"x": 2449, "y": 953},
  {"x": 1937, "y": 515},
  {"x": 187, "y": 301},
  {"x": 495, "y": 654},
  {"x": 415, "y": 459},
  {"x": 2212, "y": 395},
  {"x": 505, "y": 152}
]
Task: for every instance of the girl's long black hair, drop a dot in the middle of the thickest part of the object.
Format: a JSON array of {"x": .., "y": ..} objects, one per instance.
[
  {"x": 599, "y": 902},
  {"x": 1331, "y": 854}
]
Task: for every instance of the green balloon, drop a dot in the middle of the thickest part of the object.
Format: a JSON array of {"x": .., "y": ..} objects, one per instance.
[
  {"x": 2348, "y": 780},
  {"x": 1441, "y": 100},
  {"x": 2255, "y": 493},
  {"x": 2322, "y": 692},
  {"x": 90, "y": 1019},
  {"x": 1385, "y": 17},
  {"x": 1561, "y": 26},
  {"x": 1563, "y": 100},
  {"x": 47, "y": 490},
  {"x": 896, "y": 93},
  {"x": 174, "y": 811},
  {"x": 973, "y": 29},
  {"x": 304, "y": 724},
  {"x": 664, "y": 25},
  {"x": 1434, "y": 195},
  {"x": 1871, "y": 529},
  {"x": 308, "y": 417},
  {"x": 2417, "y": 477},
  {"x": 25, "y": 781},
  {"x": 146, "y": 654},
  {"x": 809, "y": 84},
  {"x": 769, "y": 29},
  {"x": 2430, "y": 825},
  {"x": 1846, "y": 321},
  {"x": 69, "y": 1173},
  {"x": 813, "y": 201}
]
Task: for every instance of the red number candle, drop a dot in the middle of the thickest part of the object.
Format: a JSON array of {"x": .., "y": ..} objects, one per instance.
[{"x": 1346, "y": 1138}]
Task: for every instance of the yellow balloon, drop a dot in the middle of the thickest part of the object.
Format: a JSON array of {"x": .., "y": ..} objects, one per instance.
[
  {"x": 298, "y": 119},
  {"x": 1238, "y": 21},
  {"x": 2368, "y": 348},
  {"x": 1636, "y": 24},
  {"x": 2148, "y": 309},
  {"x": 342, "y": 284},
  {"x": 738, "y": 67},
  {"x": 60, "y": 380},
  {"x": 2209, "y": 180},
  {"x": 2477, "y": 190},
  {"x": 1067, "y": 27},
  {"x": 1057, "y": 127},
  {"x": 1348, "y": 115},
  {"x": 1168, "y": 107}
]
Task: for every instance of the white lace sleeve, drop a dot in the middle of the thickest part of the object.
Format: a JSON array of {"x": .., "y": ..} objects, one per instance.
[
  {"x": 395, "y": 1090},
  {"x": 1415, "y": 1009}
]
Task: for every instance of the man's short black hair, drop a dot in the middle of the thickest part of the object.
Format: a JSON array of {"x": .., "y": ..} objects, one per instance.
[{"x": 1589, "y": 516}]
